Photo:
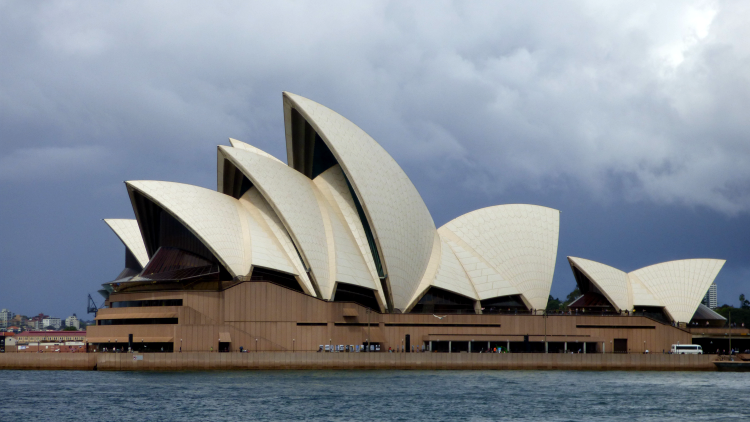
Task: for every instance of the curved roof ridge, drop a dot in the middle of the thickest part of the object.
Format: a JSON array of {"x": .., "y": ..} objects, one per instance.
[
  {"x": 517, "y": 240},
  {"x": 247, "y": 147},
  {"x": 680, "y": 285},
  {"x": 290, "y": 195},
  {"x": 610, "y": 281},
  {"x": 211, "y": 216},
  {"x": 401, "y": 223},
  {"x": 129, "y": 233}
]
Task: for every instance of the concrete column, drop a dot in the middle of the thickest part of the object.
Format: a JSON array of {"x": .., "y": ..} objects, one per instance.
[
  {"x": 603, "y": 343},
  {"x": 584, "y": 348},
  {"x": 469, "y": 346},
  {"x": 430, "y": 345},
  {"x": 488, "y": 347},
  {"x": 507, "y": 344},
  {"x": 546, "y": 348},
  {"x": 450, "y": 349},
  {"x": 565, "y": 347}
]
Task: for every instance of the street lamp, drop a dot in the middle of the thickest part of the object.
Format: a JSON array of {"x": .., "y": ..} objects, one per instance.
[
  {"x": 293, "y": 345},
  {"x": 256, "y": 345},
  {"x": 180, "y": 345}
]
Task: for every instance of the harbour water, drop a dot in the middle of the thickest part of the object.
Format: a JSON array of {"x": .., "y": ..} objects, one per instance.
[{"x": 374, "y": 395}]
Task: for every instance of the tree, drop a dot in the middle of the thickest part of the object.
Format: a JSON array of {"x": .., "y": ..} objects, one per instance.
[
  {"x": 554, "y": 304},
  {"x": 70, "y": 329},
  {"x": 744, "y": 303},
  {"x": 572, "y": 296}
]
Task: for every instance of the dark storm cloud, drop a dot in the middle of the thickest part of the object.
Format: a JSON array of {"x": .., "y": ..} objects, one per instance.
[{"x": 617, "y": 114}]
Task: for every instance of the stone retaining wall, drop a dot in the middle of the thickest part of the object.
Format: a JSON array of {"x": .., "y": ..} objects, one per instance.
[{"x": 307, "y": 360}]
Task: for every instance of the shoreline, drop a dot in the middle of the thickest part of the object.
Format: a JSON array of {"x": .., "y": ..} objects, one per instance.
[{"x": 206, "y": 361}]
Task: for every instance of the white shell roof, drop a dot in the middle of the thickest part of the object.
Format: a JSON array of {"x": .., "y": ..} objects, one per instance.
[
  {"x": 611, "y": 282},
  {"x": 275, "y": 249},
  {"x": 130, "y": 235},
  {"x": 506, "y": 249},
  {"x": 292, "y": 198},
  {"x": 350, "y": 261},
  {"x": 212, "y": 216},
  {"x": 398, "y": 217},
  {"x": 247, "y": 147},
  {"x": 678, "y": 286}
]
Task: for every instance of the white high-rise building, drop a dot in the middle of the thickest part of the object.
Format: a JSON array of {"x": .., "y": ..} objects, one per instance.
[
  {"x": 72, "y": 321},
  {"x": 710, "y": 299},
  {"x": 5, "y": 317},
  {"x": 54, "y": 323}
]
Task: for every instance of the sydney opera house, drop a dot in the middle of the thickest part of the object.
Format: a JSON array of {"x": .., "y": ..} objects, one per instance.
[{"x": 337, "y": 248}]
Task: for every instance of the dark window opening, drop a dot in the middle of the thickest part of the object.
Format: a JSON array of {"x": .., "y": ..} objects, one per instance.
[
  {"x": 235, "y": 182},
  {"x": 351, "y": 293},
  {"x": 144, "y": 303},
  {"x": 443, "y": 302},
  {"x": 137, "y": 321},
  {"x": 503, "y": 304},
  {"x": 177, "y": 264},
  {"x": 653, "y": 312},
  {"x": 131, "y": 261},
  {"x": 311, "y": 156},
  {"x": 276, "y": 277}
]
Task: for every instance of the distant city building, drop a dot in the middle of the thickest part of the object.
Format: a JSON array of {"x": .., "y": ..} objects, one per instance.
[
  {"x": 54, "y": 323},
  {"x": 37, "y": 322},
  {"x": 72, "y": 321},
  {"x": 710, "y": 299},
  {"x": 5, "y": 317}
]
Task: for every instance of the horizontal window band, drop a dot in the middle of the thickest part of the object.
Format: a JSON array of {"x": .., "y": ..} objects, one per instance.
[
  {"x": 394, "y": 324},
  {"x": 137, "y": 321},
  {"x": 312, "y": 324},
  {"x": 621, "y": 327}
]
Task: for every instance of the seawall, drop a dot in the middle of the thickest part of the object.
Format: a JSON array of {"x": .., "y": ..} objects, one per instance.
[{"x": 307, "y": 360}]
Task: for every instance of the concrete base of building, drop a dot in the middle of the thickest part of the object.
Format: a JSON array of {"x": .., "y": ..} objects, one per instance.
[{"x": 321, "y": 361}]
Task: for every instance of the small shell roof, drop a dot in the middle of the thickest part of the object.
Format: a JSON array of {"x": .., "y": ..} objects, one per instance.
[
  {"x": 678, "y": 286},
  {"x": 506, "y": 249},
  {"x": 212, "y": 216},
  {"x": 130, "y": 235}
]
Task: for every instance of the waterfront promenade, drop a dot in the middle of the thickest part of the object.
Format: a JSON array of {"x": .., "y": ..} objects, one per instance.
[{"x": 311, "y": 360}]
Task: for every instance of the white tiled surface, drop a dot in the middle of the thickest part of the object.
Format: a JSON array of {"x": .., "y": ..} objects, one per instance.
[
  {"x": 291, "y": 196},
  {"x": 267, "y": 250},
  {"x": 451, "y": 275},
  {"x": 612, "y": 282},
  {"x": 680, "y": 285},
  {"x": 212, "y": 216},
  {"x": 265, "y": 215},
  {"x": 398, "y": 217},
  {"x": 130, "y": 235},
  {"x": 518, "y": 242},
  {"x": 641, "y": 295},
  {"x": 247, "y": 147},
  {"x": 487, "y": 281},
  {"x": 332, "y": 186}
]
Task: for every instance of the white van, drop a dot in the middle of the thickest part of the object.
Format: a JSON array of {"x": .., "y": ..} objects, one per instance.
[{"x": 687, "y": 349}]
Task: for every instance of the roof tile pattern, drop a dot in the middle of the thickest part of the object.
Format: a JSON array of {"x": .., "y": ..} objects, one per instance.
[
  {"x": 518, "y": 241},
  {"x": 212, "y": 216},
  {"x": 397, "y": 215},
  {"x": 291, "y": 196},
  {"x": 265, "y": 215},
  {"x": 130, "y": 235},
  {"x": 611, "y": 282},
  {"x": 333, "y": 187},
  {"x": 680, "y": 285}
]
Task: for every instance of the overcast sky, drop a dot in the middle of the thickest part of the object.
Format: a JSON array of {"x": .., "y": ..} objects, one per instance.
[{"x": 631, "y": 118}]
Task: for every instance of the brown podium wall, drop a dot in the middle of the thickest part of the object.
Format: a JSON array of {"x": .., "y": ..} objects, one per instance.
[{"x": 282, "y": 320}]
